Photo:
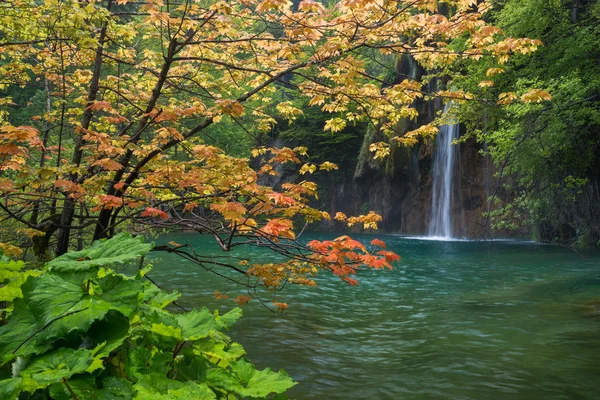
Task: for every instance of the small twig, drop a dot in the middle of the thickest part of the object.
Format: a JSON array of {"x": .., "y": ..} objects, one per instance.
[{"x": 64, "y": 381}]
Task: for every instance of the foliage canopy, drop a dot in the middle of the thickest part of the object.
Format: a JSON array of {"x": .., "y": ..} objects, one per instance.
[
  {"x": 128, "y": 93},
  {"x": 546, "y": 153}
]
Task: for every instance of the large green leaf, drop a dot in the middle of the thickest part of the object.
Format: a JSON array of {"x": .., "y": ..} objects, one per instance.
[
  {"x": 191, "y": 367},
  {"x": 116, "y": 389},
  {"x": 228, "y": 319},
  {"x": 119, "y": 249},
  {"x": 23, "y": 334},
  {"x": 163, "y": 299},
  {"x": 83, "y": 386},
  {"x": 143, "y": 362},
  {"x": 51, "y": 367},
  {"x": 245, "y": 380},
  {"x": 162, "y": 323},
  {"x": 218, "y": 352},
  {"x": 10, "y": 388},
  {"x": 85, "y": 389},
  {"x": 195, "y": 324},
  {"x": 56, "y": 295},
  {"x": 59, "y": 304},
  {"x": 106, "y": 336},
  {"x": 158, "y": 387}
]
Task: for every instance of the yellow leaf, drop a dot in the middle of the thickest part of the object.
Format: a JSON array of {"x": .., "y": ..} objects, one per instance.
[
  {"x": 10, "y": 250},
  {"x": 335, "y": 125},
  {"x": 310, "y": 168},
  {"x": 493, "y": 71},
  {"x": 506, "y": 98},
  {"x": 536, "y": 96}
]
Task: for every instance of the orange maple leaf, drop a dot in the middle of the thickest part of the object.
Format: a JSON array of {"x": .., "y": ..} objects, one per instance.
[
  {"x": 241, "y": 300},
  {"x": 154, "y": 212},
  {"x": 378, "y": 243},
  {"x": 280, "y": 227}
]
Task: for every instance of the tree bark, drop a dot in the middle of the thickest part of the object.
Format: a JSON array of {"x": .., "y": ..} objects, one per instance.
[{"x": 69, "y": 205}]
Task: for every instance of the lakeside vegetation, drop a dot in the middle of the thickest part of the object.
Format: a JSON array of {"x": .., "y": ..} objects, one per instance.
[{"x": 220, "y": 117}]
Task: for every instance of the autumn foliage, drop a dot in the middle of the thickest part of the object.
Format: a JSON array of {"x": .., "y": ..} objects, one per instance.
[{"x": 133, "y": 89}]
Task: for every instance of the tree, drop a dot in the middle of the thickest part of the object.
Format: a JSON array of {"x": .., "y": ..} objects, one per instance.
[
  {"x": 132, "y": 89},
  {"x": 547, "y": 153}
]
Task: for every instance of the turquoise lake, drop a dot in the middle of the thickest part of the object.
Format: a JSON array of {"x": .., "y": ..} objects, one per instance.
[{"x": 453, "y": 320}]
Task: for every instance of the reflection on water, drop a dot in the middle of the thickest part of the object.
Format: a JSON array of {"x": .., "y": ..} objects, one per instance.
[{"x": 453, "y": 320}]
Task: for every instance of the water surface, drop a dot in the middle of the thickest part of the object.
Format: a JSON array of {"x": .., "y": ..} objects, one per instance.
[{"x": 453, "y": 320}]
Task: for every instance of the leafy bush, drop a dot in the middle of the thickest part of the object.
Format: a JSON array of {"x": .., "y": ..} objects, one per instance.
[{"x": 80, "y": 330}]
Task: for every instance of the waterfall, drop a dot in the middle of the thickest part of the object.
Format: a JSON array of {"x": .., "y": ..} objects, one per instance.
[{"x": 444, "y": 165}]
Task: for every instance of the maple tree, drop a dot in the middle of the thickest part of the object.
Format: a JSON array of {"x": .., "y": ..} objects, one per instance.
[{"x": 132, "y": 89}]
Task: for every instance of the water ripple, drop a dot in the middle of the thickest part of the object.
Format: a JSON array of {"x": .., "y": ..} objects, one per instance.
[{"x": 454, "y": 320}]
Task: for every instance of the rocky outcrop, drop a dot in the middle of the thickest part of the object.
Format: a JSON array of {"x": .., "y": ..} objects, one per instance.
[
  {"x": 400, "y": 190},
  {"x": 400, "y": 187}
]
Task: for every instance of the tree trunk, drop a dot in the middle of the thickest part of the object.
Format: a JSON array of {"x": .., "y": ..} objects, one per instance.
[{"x": 68, "y": 211}]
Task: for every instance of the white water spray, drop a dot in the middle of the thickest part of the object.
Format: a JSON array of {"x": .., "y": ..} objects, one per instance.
[{"x": 444, "y": 164}]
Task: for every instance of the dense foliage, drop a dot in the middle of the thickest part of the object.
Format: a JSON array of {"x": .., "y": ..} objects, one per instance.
[
  {"x": 130, "y": 116},
  {"x": 77, "y": 329},
  {"x": 547, "y": 155},
  {"x": 125, "y": 97}
]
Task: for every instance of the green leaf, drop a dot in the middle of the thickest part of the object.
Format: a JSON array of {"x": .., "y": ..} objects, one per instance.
[
  {"x": 12, "y": 290},
  {"x": 12, "y": 278},
  {"x": 191, "y": 367},
  {"x": 116, "y": 389},
  {"x": 9, "y": 268},
  {"x": 168, "y": 331},
  {"x": 158, "y": 387},
  {"x": 119, "y": 249},
  {"x": 143, "y": 362},
  {"x": 85, "y": 388},
  {"x": 195, "y": 324},
  {"x": 56, "y": 295},
  {"x": 10, "y": 388},
  {"x": 228, "y": 319},
  {"x": 106, "y": 336},
  {"x": 218, "y": 352},
  {"x": 23, "y": 334},
  {"x": 247, "y": 381},
  {"x": 162, "y": 323},
  {"x": 51, "y": 367},
  {"x": 163, "y": 299},
  {"x": 59, "y": 304}
]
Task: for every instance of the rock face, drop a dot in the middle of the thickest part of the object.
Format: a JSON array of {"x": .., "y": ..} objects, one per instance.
[{"x": 401, "y": 190}]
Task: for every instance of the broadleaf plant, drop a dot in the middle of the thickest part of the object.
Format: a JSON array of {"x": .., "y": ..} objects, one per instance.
[{"x": 78, "y": 329}]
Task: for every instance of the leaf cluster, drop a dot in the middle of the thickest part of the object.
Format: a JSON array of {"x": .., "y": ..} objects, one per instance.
[{"x": 77, "y": 329}]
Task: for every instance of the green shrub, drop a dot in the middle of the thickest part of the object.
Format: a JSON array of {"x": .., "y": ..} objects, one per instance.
[{"x": 80, "y": 330}]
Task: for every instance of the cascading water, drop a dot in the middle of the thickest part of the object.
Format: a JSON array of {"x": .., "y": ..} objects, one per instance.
[{"x": 444, "y": 164}]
